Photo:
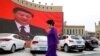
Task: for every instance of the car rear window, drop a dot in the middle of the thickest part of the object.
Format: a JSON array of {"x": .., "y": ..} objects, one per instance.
[{"x": 74, "y": 37}]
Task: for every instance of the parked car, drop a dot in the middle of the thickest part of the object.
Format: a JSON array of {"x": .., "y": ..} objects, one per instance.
[
  {"x": 39, "y": 43},
  {"x": 72, "y": 42},
  {"x": 90, "y": 42},
  {"x": 11, "y": 42},
  {"x": 99, "y": 42}
]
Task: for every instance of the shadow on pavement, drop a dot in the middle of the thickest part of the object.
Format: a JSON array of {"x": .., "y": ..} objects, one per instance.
[
  {"x": 90, "y": 50},
  {"x": 8, "y": 52},
  {"x": 95, "y": 54},
  {"x": 36, "y": 52},
  {"x": 73, "y": 51},
  {"x": 4, "y": 52}
]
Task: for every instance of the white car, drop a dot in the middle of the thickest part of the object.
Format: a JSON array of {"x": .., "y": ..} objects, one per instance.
[
  {"x": 11, "y": 42},
  {"x": 72, "y": 42},
  {"x": 99, "y": 42},
  {"x": 39, "y": 43}
]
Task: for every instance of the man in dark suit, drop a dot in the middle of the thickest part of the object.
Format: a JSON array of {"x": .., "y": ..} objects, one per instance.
[{"x": 22, "y": 19}]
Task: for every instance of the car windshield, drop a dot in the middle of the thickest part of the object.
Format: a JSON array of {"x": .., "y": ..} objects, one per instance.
[
  {"x": 86, "y": 37},
  {"x": 74, "y": 37},
  {"x": 4, "y": 35}
]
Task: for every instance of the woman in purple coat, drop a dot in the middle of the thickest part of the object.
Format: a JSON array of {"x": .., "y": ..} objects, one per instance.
[{"x": 53, "y": 41}]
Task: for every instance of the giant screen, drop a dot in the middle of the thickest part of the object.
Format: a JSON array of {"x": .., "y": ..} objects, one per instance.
[{"x": 39, "y": 19}]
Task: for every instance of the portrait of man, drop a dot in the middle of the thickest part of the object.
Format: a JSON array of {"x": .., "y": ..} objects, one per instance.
[{"x": 20, "y": 24}]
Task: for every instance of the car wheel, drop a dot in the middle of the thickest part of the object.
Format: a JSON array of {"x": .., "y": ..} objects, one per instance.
[
  {"x": 66, "y": 48},
  {"x": 80, "y": 50},
  {"x": 13, "y": 48}
]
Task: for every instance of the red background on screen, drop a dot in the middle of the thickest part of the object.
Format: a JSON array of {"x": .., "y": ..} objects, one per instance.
[{"x": 39, "y": 19}]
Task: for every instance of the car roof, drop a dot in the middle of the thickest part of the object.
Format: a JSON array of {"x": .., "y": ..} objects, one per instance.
[
  {"x": 69, "y": 35},
  {"x": 6, "y": 34},
  {"x": 39, "y": 35}
]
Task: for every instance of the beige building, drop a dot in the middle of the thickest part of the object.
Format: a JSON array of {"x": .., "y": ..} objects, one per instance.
[
  {"x": 90, "y": 33},
  {"x": 38, "y": 7},
  {"x": 73, "y": 30},
  {"x": 97, "y": 29}
]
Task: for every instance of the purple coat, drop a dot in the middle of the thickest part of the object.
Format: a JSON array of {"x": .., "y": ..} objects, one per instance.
[
  {"x": 52, "y": 42},
  {"x": 52, "y": 37}
]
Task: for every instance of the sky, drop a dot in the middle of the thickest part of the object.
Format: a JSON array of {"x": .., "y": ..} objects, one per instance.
[{"x": 78, "y": 12}]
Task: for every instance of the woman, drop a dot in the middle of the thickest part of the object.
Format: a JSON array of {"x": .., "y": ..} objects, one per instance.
[{"x": 53, "y": 42}]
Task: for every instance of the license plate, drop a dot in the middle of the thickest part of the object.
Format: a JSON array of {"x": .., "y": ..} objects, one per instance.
[
  {"x": 79, "y": 42},
  {"x": 80, "y": 46},
  {"x": 43, "y": 48}
]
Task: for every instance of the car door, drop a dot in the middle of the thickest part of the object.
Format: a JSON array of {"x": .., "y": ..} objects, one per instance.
[
  {"x": 22, "y": 42},
  {"x": 63, "y": 40},
  {"x": 17, "y": 41}
]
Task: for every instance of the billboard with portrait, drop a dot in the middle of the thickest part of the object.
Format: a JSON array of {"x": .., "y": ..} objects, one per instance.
[{"x": 38, "y": 21}]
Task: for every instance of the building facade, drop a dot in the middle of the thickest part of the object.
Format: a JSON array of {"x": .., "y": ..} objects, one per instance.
[
  {"x": 97, "y": 29},
  {"x": 89, "y": 33},
  {"x": 38, "y": 7},
  {"x": 73, "y": 30}
]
